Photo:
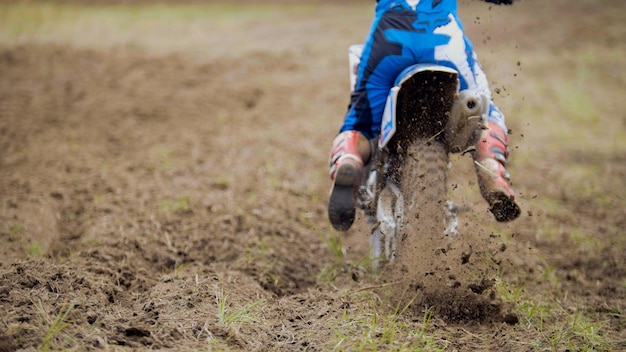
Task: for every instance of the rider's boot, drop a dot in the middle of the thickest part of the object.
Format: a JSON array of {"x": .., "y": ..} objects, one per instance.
[
  {"x": 494, "y": 181},
  {"x": 350, "y": 150}
]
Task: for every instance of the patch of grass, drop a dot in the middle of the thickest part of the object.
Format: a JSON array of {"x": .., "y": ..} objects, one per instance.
[
  {"x": 372, "y": 327},
  {"x": 583, "y": 330},
  {"x": 243, "y": 314},
  {"x": 179, "y": 268},
  {"x": 98, "y": 198},
  {"x": 584, "y": 239},
  {"x": 555, "y": 326},
  {"x": 166, "y": 158},
  {"x": 223, "y": 181},
  {"x": 182, "y": 203},
  {"x": 259, "y": 250},
  {"x": 334, "y": 243},
  {"x": 16, "y": 231},
  {"x": 55, "y": 326},
  {"x": 34, "y": 250}
]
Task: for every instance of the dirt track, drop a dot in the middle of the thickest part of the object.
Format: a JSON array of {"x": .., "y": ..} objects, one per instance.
[{"x": 142, "y": 186}]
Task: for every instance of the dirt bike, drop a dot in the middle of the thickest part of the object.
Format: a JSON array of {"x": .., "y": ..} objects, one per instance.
[{"x": 404, "y": 192}]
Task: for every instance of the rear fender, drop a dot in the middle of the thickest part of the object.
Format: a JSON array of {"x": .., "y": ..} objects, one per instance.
[{"x": 411, "y": 111}]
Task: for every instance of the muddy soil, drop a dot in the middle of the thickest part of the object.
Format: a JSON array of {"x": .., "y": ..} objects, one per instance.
[{"x": 142, "y": 190}]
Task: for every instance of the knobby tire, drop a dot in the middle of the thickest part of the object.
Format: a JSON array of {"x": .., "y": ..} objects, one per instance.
[{"x": 423, "y": 185}]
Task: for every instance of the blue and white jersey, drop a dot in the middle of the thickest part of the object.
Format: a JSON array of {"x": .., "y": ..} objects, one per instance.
[
  {"x": 404, "y": 33},
  {"x": 420, "y": 5}
]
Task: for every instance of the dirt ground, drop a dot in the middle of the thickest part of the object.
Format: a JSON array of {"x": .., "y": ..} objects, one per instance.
[{"x": 148, "y": 193}]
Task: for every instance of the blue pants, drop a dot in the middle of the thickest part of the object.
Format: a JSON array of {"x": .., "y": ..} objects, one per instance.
[{"x": 405, "y": 33}]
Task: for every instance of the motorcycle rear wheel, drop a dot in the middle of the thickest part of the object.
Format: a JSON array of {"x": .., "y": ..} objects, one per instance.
[{"x": 424, "y": 190}]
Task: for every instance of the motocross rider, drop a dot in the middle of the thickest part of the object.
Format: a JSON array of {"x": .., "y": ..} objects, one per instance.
[{"x": 403, "y": 33}]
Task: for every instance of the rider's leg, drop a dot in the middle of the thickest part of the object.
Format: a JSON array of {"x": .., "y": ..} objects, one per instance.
[
  {"x": 490, "y": 159},
  {"x": 492, "y": 148},
  {"x": 351, "y": 150},
  {"x": 494, "y": 181}
]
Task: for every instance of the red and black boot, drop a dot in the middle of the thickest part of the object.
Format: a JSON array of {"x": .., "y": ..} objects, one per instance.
[
  {"x": 346, "y": 164},
  {"x": 494, "y": 181}
]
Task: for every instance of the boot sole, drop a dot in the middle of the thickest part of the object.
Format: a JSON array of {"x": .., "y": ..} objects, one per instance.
[
  {"x": 341, "y": 206},
  {"x": 503, "y": 207}
]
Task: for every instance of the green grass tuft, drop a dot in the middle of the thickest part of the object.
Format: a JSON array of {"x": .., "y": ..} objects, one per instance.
[{"x": 55, "y": 327}]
